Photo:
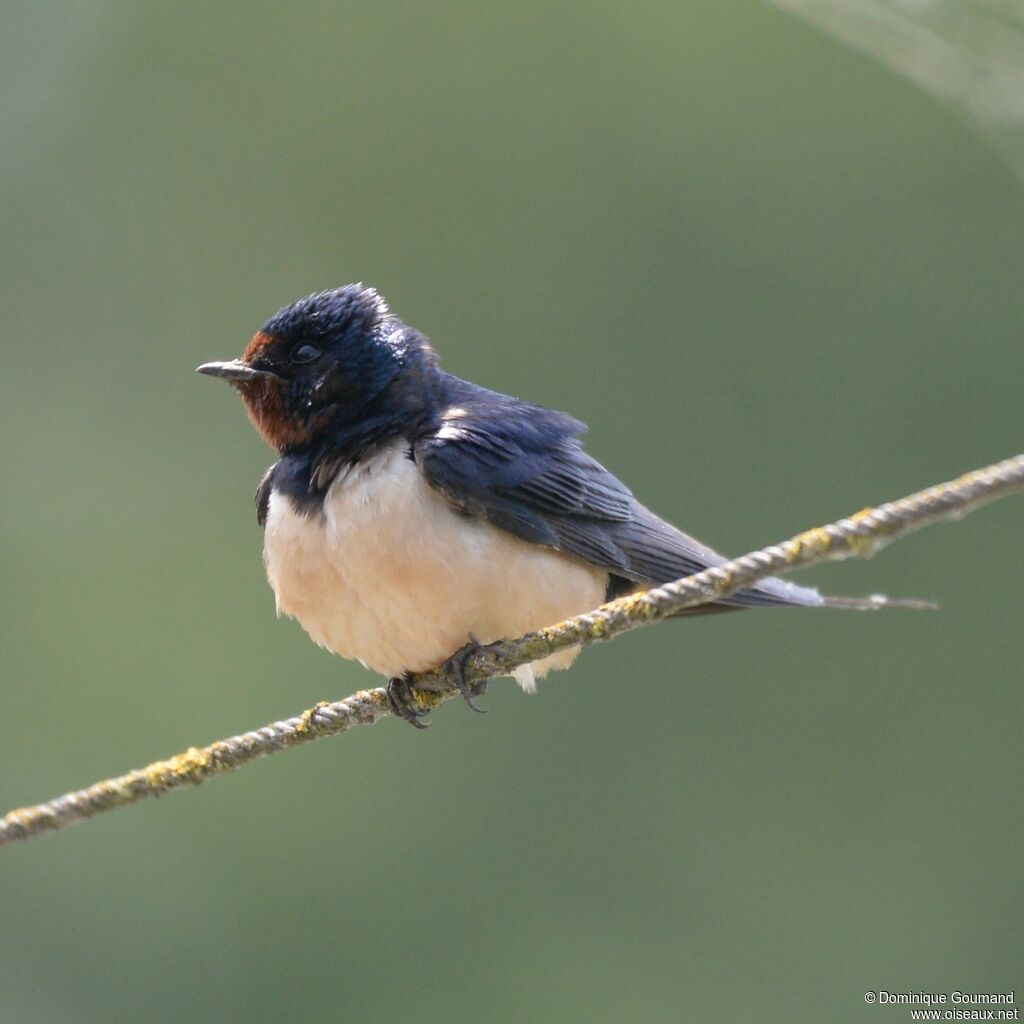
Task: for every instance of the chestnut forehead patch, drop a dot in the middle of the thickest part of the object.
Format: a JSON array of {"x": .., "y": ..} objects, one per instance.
[{"x": 260, "y": 342}]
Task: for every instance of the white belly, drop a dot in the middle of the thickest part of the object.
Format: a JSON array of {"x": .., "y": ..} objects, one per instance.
[{"x": 391, "y": 575}]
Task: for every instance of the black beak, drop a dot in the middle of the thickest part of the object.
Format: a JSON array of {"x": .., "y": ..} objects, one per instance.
[{"x": 235, "y": 371}]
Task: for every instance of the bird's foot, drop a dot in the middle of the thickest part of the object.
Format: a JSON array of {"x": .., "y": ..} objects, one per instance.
[
  {"x": 454, "y": 671},
  {"x": 403, "y": 703},
  {"x": 401, "y": 693}
]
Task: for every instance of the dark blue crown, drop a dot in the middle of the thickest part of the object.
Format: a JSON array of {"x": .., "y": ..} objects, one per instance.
[{"x": 347, "y": 312}]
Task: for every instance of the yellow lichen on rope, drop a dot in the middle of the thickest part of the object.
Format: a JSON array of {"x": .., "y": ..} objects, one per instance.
[
  {"x": 810, "y": 544},
  {"x": 859, "y": 535}
]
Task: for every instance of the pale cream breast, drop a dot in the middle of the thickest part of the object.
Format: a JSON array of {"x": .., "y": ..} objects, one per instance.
[{"x": 391, "y": 575}]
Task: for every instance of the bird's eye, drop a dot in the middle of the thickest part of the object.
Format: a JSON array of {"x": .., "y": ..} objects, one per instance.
[{"x": 305, "y": 354}]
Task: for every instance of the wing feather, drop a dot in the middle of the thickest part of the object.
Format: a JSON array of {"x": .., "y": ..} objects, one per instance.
[{"x": 522, "y": 468}]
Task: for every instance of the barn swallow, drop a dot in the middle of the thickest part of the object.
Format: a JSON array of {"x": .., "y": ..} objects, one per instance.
[{"x": 412, "y": 514}]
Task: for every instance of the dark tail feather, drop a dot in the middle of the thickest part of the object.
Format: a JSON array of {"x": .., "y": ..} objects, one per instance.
[
  {"x": 778, "y": 593},
  {"x": 658, "y": 552},
  {"x": 876, "y": 601},
  {"x": 857, "y": 604},
  {"x": 774, "y": 591}
]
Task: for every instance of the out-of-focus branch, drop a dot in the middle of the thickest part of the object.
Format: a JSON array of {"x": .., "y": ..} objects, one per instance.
[
  {"x": 861, "y": 535},
  {"x": 967, "y": 53}
]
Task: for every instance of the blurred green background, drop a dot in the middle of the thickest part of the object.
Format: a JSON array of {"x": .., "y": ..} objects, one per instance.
[{"x": 779, "y": 283}]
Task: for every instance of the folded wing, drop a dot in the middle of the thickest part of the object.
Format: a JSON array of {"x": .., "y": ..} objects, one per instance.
[{"x": 521, "y": 467}]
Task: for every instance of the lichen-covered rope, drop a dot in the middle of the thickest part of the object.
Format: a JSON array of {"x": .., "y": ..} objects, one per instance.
[
  {"x": 193, "y": 766},
  {"x": 860, "y": 535}
]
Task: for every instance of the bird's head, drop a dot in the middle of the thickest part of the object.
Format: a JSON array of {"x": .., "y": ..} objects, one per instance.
[{"x": 327, "y": 364}]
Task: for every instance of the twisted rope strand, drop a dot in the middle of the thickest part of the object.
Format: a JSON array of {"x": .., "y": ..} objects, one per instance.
[{"x": 860, "y": 535}]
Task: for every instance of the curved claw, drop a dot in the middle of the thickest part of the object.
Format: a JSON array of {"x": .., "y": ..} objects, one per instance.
[
  {"x": 468, "y": 698},
  {"x": 403, "y": 704},
  {"x": 454, "y": 670}
]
